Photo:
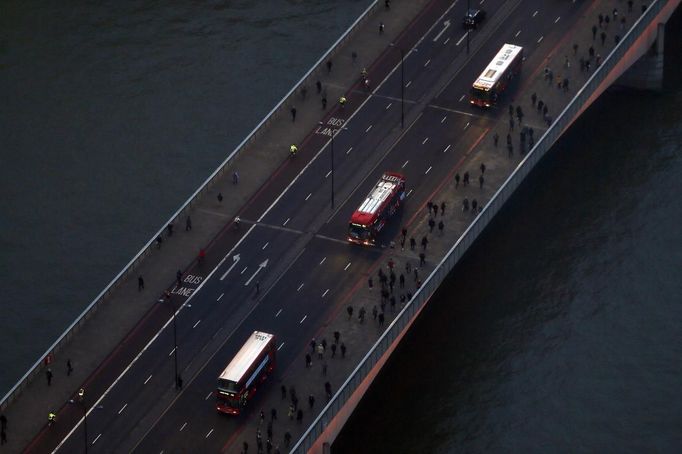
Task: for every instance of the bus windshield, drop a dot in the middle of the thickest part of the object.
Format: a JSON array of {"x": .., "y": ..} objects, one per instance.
[
  {"x": 359, "y": 232},
  {"x": 228, "y": 386}
]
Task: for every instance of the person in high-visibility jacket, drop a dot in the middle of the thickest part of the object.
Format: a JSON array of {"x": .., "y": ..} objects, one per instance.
[
  {"x": 293, "y": 149},
  {"x": 342, "y": 101},
  {"x": 51, "y": 418}
]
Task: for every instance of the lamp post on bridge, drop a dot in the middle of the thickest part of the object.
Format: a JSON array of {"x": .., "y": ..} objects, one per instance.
[{"x": 335, "y": 131}]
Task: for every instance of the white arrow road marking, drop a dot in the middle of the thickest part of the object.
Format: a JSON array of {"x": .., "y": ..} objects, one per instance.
[
  {"x": 260, "y": 268},
  {"x": 235, "y": 260},
  {"x": 446, "y": 25}
]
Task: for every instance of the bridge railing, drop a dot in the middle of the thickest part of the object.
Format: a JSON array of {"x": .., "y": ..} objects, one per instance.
[
  {"x": 279, "y": 109},
  {"x": 442, "y": 270}
]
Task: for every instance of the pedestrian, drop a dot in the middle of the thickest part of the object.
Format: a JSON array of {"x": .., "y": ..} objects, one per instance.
[
  {"x": 540, "y": 104},
  {"x": 354, "y": 56},
  {"x": 601, "y": 20},
  {"x": 511, "y": 123},
  {"x": 564, "y": 84},
  {"x": 545, "y": 110},
  {"x": 407, "y": 267},
  {"x": 283, "y": 390},
  {"x": 333, "y": 347},
  {"x": 598, "y": 60},
  {"x": 510, "y": 150},
  {"x": 262, "y": 416},
  {"x": 435, "y": 209},
  {"x": 220, "y": 197},
  {"x": 370, "y": 283},
  {"x": 480, "y": 181},
  {"x": 48, "y": 375},
  {"x": 51, "y": 418},
  {"x": 616, "y": 39},
  {"x": 304, "y": 92},
  {"x": 159, "y": 242},
  {"x": 575, "y": 49},
  {"x": 361, "y": 315},
  {"x": 69, "y": 367},
  {"x": 140, "y": 283},
  {"x": 465, "y": 204},
  {"x": 630, "y": 6},
  {"x": 603, "y": 37},
  {"x": 324, "y": 369},
  {"x": 594, "y": 32},
  {"x": 343, "y": 350},
  {"x": 519, "y": 113},
  {"x": 482, "y": 168},
  {"x": 329, "y": 66},
  {"x": 413, "y": 243},
  {"x": 3, "y": 422},
  {"x": 324, "y": 344},
  {"x": 567, "y": 62},
  {"x": 324, "y": 103},
  {"x": 404, "y": 232},
  {"x": 311, "y": 401},
  {"x": 169, "y": 229},
  {"x": 457, "y": 179},
  {"x": 268, "y": 446},
  {"x": 3, "y": 437},
  {"x": 188, "y": 221},
  {"x": 590, "y": 51},
  {"x": 320, "y": 351},
  {"x": 318, "y": 85},
  {"x": 442, "y": 208},
  {"x": 465, "y": 180},
  {"x": 349, "y": 309},
  {"x": 422, "y": 259},
  {"x": 273, "y": 414},
  {"x": 607, "y": 21},
  {"x": 441, "y": 226},
  {"x": 337, "y": 336},
  {"x": 582, "y": 64},
  {"x": 432, "y": 224},
  {"x": 387, "y": 3},
  {"x": 496, "y": 138},
  {"x": 424, "y": 242},
  {"x": 587, "y": 66},
  {"x": 401, "y": 280},
  {"x": 291, "y": 411},
  {"x": 474, "y": 205},
  {"x": 381, "y": 28},
  {"x": 328, "y": 390},
  {"x": 293, "y": 114},
  {"x": 381, "y": 319},
  {"x": 511, "y": 110},
  {"x": 308, "y": 360},
  {"x": 429, "y": 205},
  {"x": 533, "y": 99}
]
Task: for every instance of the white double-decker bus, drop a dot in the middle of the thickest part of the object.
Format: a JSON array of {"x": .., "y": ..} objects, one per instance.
[{"x": 496, "y": 76}]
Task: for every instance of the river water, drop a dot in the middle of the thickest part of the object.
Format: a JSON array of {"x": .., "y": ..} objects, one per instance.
[{"x": 560, "y": 331}]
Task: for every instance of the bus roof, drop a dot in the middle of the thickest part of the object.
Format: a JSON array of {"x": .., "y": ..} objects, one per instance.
[
  {"x": 246, "y": 356},
  {"x": 497, "y": 67},
  {"x": 381, "y": 192}
]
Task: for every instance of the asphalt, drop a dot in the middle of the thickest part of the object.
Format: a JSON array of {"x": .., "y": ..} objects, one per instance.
[{"x": 311, "y": 274}]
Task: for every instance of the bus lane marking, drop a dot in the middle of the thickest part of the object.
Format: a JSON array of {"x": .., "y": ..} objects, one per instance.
[
  {"x": 122, "y": 408},
  {"x": 183, "y": 427},
  {"x": 147, "y": 380},
  {"x": 304, "y": 317}
]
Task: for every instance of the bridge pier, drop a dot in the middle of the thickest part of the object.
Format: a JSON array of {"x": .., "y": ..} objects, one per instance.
[{"x": 647, "y": 72}]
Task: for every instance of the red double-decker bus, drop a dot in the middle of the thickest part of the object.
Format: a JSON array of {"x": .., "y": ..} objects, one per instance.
[
  {"x": 381, "y": 203},
  {"x": 248, "y": 369},
  {"x": 496, "y": 76}
]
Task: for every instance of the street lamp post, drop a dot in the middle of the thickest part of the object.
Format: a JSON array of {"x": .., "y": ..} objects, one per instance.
[{"x": 81, "y": 400}]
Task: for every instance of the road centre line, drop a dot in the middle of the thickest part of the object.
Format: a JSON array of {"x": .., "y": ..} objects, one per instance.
[
  {"x": 427, "y": 63},
  {"x": 461, "y": 39},
  {"x": 425, "y": 140},
  {"x": 517, "y": 34},
  {"x": 304, "y": 317},
  {"x": 347, "y": 266},
  {"x": 208, "y": 395},
  {"x": 322, "y": 261},
  {"x": 286, "y": 222},
  {"x": 309, "y": 196},
  {"x": 171, "y": 352},
  {"x": 299, "y": 287},
  {"x": 557, "y": 19},
  {"x": 122, "y": 408},
  {"x": 349, "y": 150},
  {"x": 405, "y": 164},
  {"x": 244, "y": 270},
  {"x": 278, "y": 312},
  {"x": 221, "y": 295},
  {"x": 148, "y": 378},
  {"x": 325, "y": 293},
  {"x": 446, "y": 148},
  {"x": 183, "y": 426},
  {"x": 280, "y": 346},
  {"x": 443, "y": 120},
  {"x": 265, "y": 245},
  {"x": 428, "y": 170},
  {"x": 540, "y": 40},
  {"x": 389, "y": 105},
  {"x": 96, "y": 438},
  {"x": 368, "y": 128},
  {"x": 209, "y": 433},
  {"x": 467, "y": 125},
  {"x": 446, "y": 41},
  {"x": 328, "y": 173},
  {"x": 461, "y": 98},
  {"x": 196, "y": 324},
  {"x": 408, "y": 84},
  {"x": 409, "y": 192},
  {"x": 535, "y": 14}
]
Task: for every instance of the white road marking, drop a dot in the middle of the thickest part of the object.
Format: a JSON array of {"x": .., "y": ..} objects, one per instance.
[
  {"x": 172, "y": 351},
  {"x": 557, "y": 19},
  {"x": 328, "y": 173},
  {"x": 325, "y": 293},
  {"x": 461, "y": 39},
  {"x": 244, "y": 270},
  {"x": 96, "y": 438},
  {"x": 208, "y": 395},
  {"x": 540, "y": 40},
  {"x": 309, "y": 196},
  {"x": 221, "y": 295},
  {"x": 446, "y": 148},
  {"x": 148, "y": 378},
  {"x": 408, "y": 84},
  {"x": 461, "y": 98},
  {"x": 286, "y": 222},
  {"x": 304, "y": 317},
  {"x": 261, "y": 267},
  {"x": 280, "y": 346},
  {"x": 196, "y": 324},
  {"x": 369, "y": 128},
  {"x": 446, "y": 24},
  {"x": 235, "y": 260},
  {"x": 409, "y": 192},
  {"x": 535, "y": 14},
  {"x": 405, "y": 164},
  {"x": 428, "y": 170},
  {"x": 265, "y": 245},
  {"x": 427, "y": 63},
  {"x": 425, "y": 140},
  {"x": 389, "y": 105},
  {"x": 467, "y": 125},
  {"x": 446, "y": 41},
  {"x": 517, "y": 34},
  {"x": 299, "y": 288},
  {"x": 322, "y": 261},
  {"x": 209, "y": 433},
  {"x": 122, "y": 408},
  {"x": 183, "y": 427},
  {"x": 347, "y": 266},
  {"x": 278, "y": 312},
  {"x": 443, "y": 120},
  {"x": 348, "y": 152}
]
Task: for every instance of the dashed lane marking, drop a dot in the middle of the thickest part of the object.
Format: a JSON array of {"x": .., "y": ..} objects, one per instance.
[
  {"x": 405, "y": 164},
  {"x": 446, "y": 148},
  {"x": 322, "y": 261},
  {"x": 408, "y": 84},
  {"x": 517, "y": 34},
  {"x": 96, "y": 438},
  {"x": 461, "y": 39},
  {"x": 427, "y": 63},
  {"x": 221, "y": 295},
  {"x": 428, "y": 170},
  {"x": 535, "y": 13},
  {"x": 446, "y": 41},
  {"x": 349, "y": 150},
  {"x": 389, "y": 105},
  {"x": 328, "y": 173},
  {"x": 280, "y": 346},
  {"x": 461, "y": 98},
  {"x": 409, "y": 192},
  {"x": 286, "y": 222},
  {"x": 171, "y": 352},
  {"x": 325, "y": 293},
  {"x": 304, "y": 317},
  {"x": 278, "y": 312},
  {"x": 122, "y": 408},
  {"x": 309, "y": 196},
  {"x": 208, "y": 396},
  {"x": 443, "y": 120},
  {"x": 147, "y": 380},
  {"x": 467, "y": 125},
  {"x": 540, "y": 40},
  {"x": 369, "y": 128},
  {"x": 557, "y": 19},
  {"x": 244, "y": 270},
  {"x": 183, "y": 427},
  {"x": 265, "y": 245},
  {"x": 196, "y": 324},
  {"x": 209, "y": 433},
  {"x": 299, "y": 288},
  {"x": 347, "y": 266},
  {"x": 425, "y": 140}
]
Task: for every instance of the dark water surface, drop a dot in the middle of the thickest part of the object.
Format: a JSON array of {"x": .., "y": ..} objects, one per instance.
[
  {"x": 561, "y": 330},
  {"x": 111, "y": 114}
]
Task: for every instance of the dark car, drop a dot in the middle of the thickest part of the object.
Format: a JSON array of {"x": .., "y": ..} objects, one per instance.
[{"x": 472, "y": 18}]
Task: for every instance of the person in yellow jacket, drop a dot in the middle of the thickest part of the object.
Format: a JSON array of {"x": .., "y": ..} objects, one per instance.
[
  {"x": 293, "y": 149},
  {"x": 51, "y": 418},
  {"x": 342, "y": 100}
]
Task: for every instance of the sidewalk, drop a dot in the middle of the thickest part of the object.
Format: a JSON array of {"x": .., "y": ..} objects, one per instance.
[
  {"x": 358, "y": 336},
  {"x": 120, "y": 314}
]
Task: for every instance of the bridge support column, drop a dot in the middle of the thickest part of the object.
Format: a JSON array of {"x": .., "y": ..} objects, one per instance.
[{"x": 647, "y": 72}]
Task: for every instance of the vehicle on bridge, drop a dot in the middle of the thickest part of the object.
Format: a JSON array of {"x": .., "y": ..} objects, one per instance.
[
  {"x": 380, "y": 204},
  {"x": 497, "y": 76},
  {"x": 248, "y": 369}
]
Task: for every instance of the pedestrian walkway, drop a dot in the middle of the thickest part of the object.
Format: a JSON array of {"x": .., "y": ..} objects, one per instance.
[{"x": 487, "y": 166}]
